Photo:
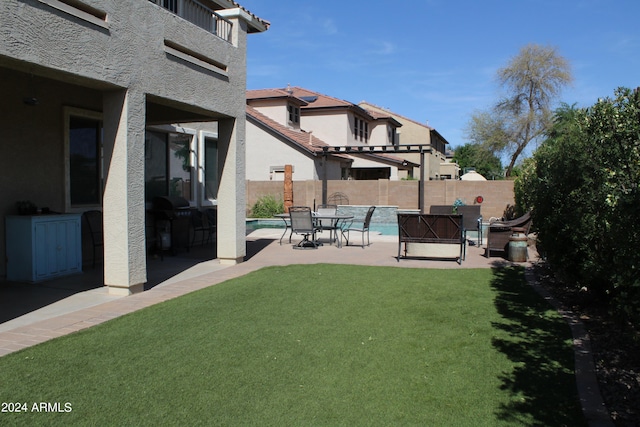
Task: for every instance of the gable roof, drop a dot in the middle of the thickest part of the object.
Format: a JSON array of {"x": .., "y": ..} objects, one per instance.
[
  {"x": 392, "y": 114},
  {"x": 309, "y": 143},
  {"x": 299, "y": 138},
  {"x": 266, "y": 94},
  {"x": 380, "y": 110},
  {"x": 315, "y": 101}
]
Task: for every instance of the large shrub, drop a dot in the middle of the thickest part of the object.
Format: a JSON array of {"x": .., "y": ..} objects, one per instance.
[
  {"x": 583, "y": 187},
  {"x": 267, "y": 206}
]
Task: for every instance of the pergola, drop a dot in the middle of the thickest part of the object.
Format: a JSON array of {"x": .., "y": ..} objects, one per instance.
[{"x": 379, "y": 149}]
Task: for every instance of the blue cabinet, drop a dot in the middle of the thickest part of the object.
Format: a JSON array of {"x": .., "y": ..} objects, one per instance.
[{"x": 42, "y": 247}]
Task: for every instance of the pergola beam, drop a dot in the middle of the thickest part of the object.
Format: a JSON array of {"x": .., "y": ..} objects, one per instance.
[{"x": 379, "y": 149}]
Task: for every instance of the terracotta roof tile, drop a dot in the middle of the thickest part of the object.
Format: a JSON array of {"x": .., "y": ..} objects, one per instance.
[
  {"x": 301, "y": 138},
  {"x": 364, "y": 104}
]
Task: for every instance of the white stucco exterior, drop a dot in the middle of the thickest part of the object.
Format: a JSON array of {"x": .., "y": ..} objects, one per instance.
[
  {"x": 270, "y": 154},
  {"x": 133, "y": 64}
]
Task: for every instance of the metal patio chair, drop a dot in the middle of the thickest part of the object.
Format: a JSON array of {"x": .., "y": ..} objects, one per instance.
[
  {"x": 302, "y": 223},
  {"x": 330, "y": 225},
  {"x": 93, "y": 220},
  {"x": 364, "y": 229}
]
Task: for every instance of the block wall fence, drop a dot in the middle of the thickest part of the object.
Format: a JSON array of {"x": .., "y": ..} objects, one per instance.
[{"x": 496, "y": 195}]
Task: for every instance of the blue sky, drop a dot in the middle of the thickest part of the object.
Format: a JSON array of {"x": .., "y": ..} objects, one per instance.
[{"x": 436, "y": 60}]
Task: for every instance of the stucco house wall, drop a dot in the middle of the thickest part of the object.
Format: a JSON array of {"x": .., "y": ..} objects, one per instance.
[
  {"x": 413, "y": 132},
  {"x": 133, "y": 64},
  {"x": 334, "y": 129},
  {"x": 379, "y": 134},
  {"x": 269, "y": 155}
]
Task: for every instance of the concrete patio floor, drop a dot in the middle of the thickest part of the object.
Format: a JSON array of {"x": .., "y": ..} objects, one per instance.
[{"x": 78, "y": 302}]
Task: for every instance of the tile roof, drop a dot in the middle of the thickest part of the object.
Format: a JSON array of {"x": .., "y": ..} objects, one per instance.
[
  {"x": 267, "y": 94},
  {"x": 264, "y": 22},
  {"x": 310, "y": 143},
  {"x": 389, "y": 113},
  {"x": 302, "y": 139},
  {"x": 309, "y": 99}
]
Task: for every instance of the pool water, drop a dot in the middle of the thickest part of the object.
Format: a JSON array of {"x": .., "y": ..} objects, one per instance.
[{"x": 386, "y": 229}]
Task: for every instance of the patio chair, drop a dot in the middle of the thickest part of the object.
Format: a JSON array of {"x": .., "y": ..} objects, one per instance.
[
  {"x": 197, "y": 225},
  {"x": 364, "y": 229},
  {"x": 471, "y": 220},
  {"x": 287, "y": 227},
  {"x": 499, "y": 233},
  {"x": 338, "y": 198},
  {"x": 93, "y": 219},
  {"x": 302, "y": 223},
  {"x": 328, "y": 224},
  {"x": 212, "y": 222}
]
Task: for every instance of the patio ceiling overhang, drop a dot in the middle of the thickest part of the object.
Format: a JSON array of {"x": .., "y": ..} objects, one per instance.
[{"x": 162, "y": 111}]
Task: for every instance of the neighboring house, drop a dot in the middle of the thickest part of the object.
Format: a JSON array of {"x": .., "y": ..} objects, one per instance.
[
  {"x": 437, "y": 164},
  {"x": 272, "y": 145},
  {"x": 328, "y": 121},
  {"x": 108, "y": 103}
]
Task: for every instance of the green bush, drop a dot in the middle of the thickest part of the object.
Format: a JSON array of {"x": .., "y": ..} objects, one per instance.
[
  {"x": 267, "y": 206},
  {"x": 583, "y": 185}
]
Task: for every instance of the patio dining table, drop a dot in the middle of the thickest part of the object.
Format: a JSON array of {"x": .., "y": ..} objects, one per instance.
[{"x": 338, "y": 221}]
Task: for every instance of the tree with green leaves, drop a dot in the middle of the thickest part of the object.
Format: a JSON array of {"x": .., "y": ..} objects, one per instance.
[
  {"x": 532, "y": 81},
  {"x": 583, "y": 185},
  {"x": 481, "y": 159}
]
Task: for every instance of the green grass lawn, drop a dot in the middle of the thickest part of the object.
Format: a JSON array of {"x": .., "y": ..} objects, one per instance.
[{"x": 328, "y": 345}]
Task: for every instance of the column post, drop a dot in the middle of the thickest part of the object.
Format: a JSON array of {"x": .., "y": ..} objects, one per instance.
[{"x": 125, "y": 270}]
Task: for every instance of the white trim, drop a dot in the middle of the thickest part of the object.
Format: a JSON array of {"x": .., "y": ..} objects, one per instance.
[
  {"x": 193, "y": 60},
  {"x": 193, "y": 146},
  {"x": 69, "y": 112},
  {"x": 200, "y": 172},
  {"x": 78, "y": 13}
]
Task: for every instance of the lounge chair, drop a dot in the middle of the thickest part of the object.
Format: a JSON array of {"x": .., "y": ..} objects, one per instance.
[{"x": 499, "y": 233}]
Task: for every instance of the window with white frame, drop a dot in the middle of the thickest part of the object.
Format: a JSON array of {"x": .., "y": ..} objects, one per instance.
[
  {"x": 210, "y": 166},
  {"x": 84, "y": 163},
  {"x": 168, "y": 165}
]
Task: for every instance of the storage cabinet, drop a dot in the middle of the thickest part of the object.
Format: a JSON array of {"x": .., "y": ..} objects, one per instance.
[{"x": 42, "y": 247}]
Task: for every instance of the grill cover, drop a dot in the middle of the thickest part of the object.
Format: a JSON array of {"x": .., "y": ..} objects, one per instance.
[
  {"x": 173, "y": 214},
  {"x": 169, "y": 203}
]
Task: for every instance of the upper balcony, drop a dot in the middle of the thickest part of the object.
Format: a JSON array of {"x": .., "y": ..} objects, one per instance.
[{"x": 199, "y": 14}]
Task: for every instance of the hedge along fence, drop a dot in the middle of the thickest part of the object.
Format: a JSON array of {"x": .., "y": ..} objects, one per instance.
[{"x": 496, "y": 195}]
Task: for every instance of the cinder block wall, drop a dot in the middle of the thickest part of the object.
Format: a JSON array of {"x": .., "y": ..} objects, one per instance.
[{"x": 496, "y": 195}]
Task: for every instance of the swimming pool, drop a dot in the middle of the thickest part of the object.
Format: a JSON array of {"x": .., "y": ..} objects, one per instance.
[{"x": 386, "y": 229}]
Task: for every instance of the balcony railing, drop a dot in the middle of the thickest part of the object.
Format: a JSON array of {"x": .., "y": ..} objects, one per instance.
[{"x": 200, "y": 15}]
